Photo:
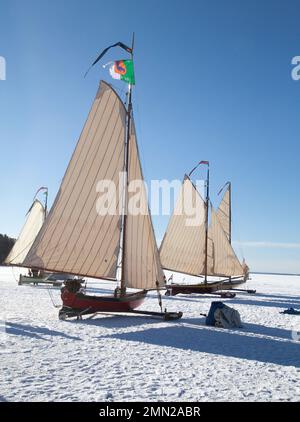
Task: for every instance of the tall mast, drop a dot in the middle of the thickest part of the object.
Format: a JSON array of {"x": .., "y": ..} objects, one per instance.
[
  {"x": 229, "y": 234},
  {"x": 206, "y": 213},
  {"x": 206, "y": 223},
  {"x": 229, "y": 214},
  {"x": 229, "y": 191},
  {"x": 126, "y": 167}
]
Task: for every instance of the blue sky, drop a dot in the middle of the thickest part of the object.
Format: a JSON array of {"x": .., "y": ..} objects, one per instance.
[{"x": 213, "y": 82}]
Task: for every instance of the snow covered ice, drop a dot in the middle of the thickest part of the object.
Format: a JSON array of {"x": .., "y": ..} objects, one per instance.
[{"x": 128, "y": 358}]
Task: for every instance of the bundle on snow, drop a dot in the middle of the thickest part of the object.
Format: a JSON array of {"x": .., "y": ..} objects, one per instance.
[{"x": 221, "y": 315}]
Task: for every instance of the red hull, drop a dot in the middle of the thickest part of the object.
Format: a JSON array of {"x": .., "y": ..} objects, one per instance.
[{"x": 81, "y": 302}]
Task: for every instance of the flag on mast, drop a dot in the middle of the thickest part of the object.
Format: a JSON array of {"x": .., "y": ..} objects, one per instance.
[{"x": 123, "y": 70}]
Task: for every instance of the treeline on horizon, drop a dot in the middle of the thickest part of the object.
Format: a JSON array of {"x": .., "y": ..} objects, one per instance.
[{"x": 6, "y": 244}]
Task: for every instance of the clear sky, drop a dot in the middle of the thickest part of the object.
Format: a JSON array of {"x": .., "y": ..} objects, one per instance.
[{"x": 213, "y": 83}]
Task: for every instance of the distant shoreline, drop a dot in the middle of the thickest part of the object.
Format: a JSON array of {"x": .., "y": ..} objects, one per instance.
[{"x": 266, "y": 273}]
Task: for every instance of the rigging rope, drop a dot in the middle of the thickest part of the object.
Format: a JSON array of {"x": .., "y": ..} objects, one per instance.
[
  {"x": 52, "y": 300},
  {"x": 14, "y": 275}
]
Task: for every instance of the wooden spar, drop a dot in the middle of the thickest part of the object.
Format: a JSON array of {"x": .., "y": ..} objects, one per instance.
[
  {"x": 50, "y": 270},
  {"x": 206, "y": 214},
  {"x": 126, "y": 167},
  {"x": 229, "y": 216},
  {"x": 46, "y": 201},
  {"x": 229, "y": 191},
  {"x": 167, "y": 316},
  {"x": 206, "y": 224},
  {"x": 180, "y": 272}
]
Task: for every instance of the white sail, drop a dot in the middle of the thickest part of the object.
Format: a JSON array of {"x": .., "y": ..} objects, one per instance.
[
  {"x": 142, "y": 263},
  {"x": 223, "y": 212},
  {"x": 183, "y": 246},
  {"x": 222, "y": 260},
  {"x": 34, "y": 221},
  {"x": 75, "y": 238}
]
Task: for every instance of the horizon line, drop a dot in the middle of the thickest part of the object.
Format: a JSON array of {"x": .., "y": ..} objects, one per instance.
[{"x": 267, "y": 244}]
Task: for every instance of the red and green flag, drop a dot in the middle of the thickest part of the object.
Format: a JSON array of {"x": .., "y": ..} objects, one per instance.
[{"x": 123, "y": 70}]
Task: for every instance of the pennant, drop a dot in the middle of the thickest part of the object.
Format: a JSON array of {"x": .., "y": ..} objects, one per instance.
[{"x": 118, "y": 44}]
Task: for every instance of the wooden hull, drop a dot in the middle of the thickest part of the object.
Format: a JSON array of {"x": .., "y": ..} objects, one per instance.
[
  {"x": 82, "y": 303},
  {"x": 175, "y": 289},
  {"x": 24, "y": 279},
  {"x": 231, "y": 284}
]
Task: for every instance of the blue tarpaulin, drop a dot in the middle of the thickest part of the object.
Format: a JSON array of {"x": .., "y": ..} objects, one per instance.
[{"x": 210, "y": 319}]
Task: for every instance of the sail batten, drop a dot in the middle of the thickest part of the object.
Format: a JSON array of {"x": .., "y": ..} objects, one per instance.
[{"x": 76, "y": 238}]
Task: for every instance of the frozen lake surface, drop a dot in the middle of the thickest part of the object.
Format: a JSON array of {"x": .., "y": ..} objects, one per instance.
[{"x": 128, "y": 358}]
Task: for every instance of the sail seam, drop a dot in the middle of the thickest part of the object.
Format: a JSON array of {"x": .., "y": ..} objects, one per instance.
[
  {"x": 91, "y": 144},
  {"x": 100, "y": 227},
  {"x": 87, "y": 255},
  {"x": 52, "y": 227},
  {"x": 93, "y": 183}
]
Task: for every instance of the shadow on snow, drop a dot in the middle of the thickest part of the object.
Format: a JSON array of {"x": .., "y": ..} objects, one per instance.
[
  {"x": 35, "y": 332},
  {"x": 189, "y": 335},
  {"x": 268, "y": 304},
  {"x": 117, "y": 321}
]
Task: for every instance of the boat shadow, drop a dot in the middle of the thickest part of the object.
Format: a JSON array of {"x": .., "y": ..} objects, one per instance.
[
  {"x": 280, "y": 333},
  {"x": 242, "y": 344},
  {"x": 241, "y": 299},
  {"x": 269, "y": 304},
  {"x": 268, "y": 331},
  {"x": 38, "y": 333},
  {"x": 278, "y": 296},
  {"x": 108, "y": 320}
]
